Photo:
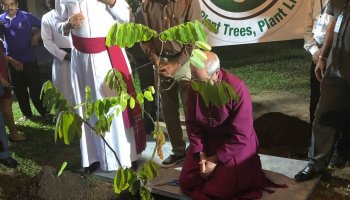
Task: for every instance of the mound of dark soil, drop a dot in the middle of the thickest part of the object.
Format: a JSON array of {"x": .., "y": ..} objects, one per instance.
[
  {"x": 282, "y": 135},
  {"x": 68, "y": 186}
]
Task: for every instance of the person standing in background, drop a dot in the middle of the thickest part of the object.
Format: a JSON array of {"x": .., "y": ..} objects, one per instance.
[
  {"x": 17, "y": 31},
  {"x": 60, "y": 48},
  {"x": 315, "y": 27},
  {"x": 159, "y": 16},
  {"x": 88, "y": 22},
  {"x": 333, "y": 111},
  {"x": 5, "y": 157},
  {"x": 6, "y": 98}
]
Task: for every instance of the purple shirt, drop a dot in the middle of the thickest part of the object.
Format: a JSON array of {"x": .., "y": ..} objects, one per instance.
[
  {"x": 18, "y": 35},
  {"x": 228, "y": 131}
]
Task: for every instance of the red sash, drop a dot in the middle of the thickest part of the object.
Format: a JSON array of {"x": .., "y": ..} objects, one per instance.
[{"x": 131, "y": 117}]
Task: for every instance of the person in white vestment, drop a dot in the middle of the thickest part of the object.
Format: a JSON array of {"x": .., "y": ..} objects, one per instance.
[
  {"x": 60, "y": 48},
  {"x": 88, "y": 22}
]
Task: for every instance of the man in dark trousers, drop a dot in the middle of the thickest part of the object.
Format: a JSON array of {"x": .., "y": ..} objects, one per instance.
[
  {"x": 333, "y": 110},
  {"x": 17, "y": 31},
  {"x": 161, "y": 15}
]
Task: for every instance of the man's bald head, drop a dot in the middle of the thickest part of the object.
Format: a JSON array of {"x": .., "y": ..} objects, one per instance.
[{"x": 211, "y": 66}]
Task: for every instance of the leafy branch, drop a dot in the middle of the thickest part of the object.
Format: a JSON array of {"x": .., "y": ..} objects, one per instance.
[{"x": 69, "y": 123}]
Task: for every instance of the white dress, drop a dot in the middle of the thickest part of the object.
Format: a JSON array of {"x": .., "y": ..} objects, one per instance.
[
  {"x": 53, "y": 41},
  {"x": 91, "y": 70}
]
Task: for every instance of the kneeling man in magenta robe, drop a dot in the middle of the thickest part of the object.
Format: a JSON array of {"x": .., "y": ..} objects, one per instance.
[{"x": 222, "y": 161}]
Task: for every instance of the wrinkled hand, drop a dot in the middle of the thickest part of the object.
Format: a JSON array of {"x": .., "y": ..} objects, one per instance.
[
  {"x": 108, "y": 2},
  {"x": 75, "y": 21},
  {"x": 210, "y": 164},
  {"x": 16, "y": 64},
  {"x": 202, "y": 159},
  {"x": 4, "y": 82},
  {"x": 315, "y": 57},
  {"x": 168, "y": 69},
  {"x": 320, "y": 69}
]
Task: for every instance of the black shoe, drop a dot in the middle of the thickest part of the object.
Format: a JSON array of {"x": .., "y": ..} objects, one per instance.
[
  {"x": 9, "y": 162},
  {"x": 337, "y": 159},
  {"x": 309, "y": 172},
  {"x": 93, "y": 167},
  {"x": 172, "y": 160}
]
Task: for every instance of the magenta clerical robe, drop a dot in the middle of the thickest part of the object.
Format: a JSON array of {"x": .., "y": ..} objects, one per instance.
[{"x": 228, "y": 132}]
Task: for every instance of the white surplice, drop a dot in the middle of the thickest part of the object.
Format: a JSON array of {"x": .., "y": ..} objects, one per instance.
[
  {"x": 53, "y": 41},
  {"x": 91, "y": 70}
]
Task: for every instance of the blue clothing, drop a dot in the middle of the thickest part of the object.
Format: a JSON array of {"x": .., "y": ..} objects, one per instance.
[
  {"x": 18, "y": 35},
  {"x": 4, "y": 148}
]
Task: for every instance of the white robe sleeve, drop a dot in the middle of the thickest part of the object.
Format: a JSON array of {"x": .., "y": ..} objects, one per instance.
[
  {"x": 310, "y": 44},
  {"x": 47, "y": 37},
  {"x": 65, "y": 9},
  {"x": 121, "y": 11}
]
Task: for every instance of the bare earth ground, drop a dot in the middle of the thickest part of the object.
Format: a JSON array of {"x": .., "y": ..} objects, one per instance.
[
  {"x": 281, "y": 123},
  {"x": 282, "y": 128}
]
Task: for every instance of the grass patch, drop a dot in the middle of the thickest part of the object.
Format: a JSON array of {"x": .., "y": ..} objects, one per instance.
[{"x": 276, "y": 66}]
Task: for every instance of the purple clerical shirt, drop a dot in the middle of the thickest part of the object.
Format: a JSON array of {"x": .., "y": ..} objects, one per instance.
[
  {"x": 18, "y": 34},
  {"x": 227, "y": 130}
]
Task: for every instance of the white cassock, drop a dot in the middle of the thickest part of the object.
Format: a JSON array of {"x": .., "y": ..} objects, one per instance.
[
  {"x": 54, "y": 42},
  {"x": 91, "y": 70}
]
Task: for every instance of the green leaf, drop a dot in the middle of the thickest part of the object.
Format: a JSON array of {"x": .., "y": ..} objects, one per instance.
[
  {"x": 151, "y": 89},
  {"x": 148, "y": 95},
  {"x": 111, "y": 36},
  {"x": 186, "y": 33},
  {"x": 214, "y": 96},
  {"x": 195, "y": 85},
  {"x": 203, "y": 45},
  {"x": 223, "y": 95},
  {"x": 119, "y": 181},
  {"x": 139, "y": 98},
  {"x": 120, "y": 36},
  {"x": 204, "y": 90},
  {"x": 196, "y": 62},
  {"x": 123, "y": 101},
  {"x": 210, "y": 26},
  {"x": 132, "y": 102},
  {"x": 126, "y": 35},
  {"x": 58, "y": 132},
  {"x": 232, "y": 93},
  {"x": 63, "y": 166},
  {"x": 200, "y": 32},
  {"x": 88, "y": 96},
  {"x": 197, "y": 53},
  {"x": 145, "y": 193},
  {"x": 67, "y": 127}
]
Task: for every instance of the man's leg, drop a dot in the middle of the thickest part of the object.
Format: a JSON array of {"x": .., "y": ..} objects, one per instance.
[
  {"x": 314, "y": 95},
  {"x": 32, "y": 74},
  {"x": 4, "y": 148},
  {"x": 5, "y": 157},
  {"x": 6, "y": 109},
  {"x": 19, "y": 82},
  {"x": 335, "y": 95},
  {"x": 146, "y": 76},
  {"x": 170, "y": 110}
]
